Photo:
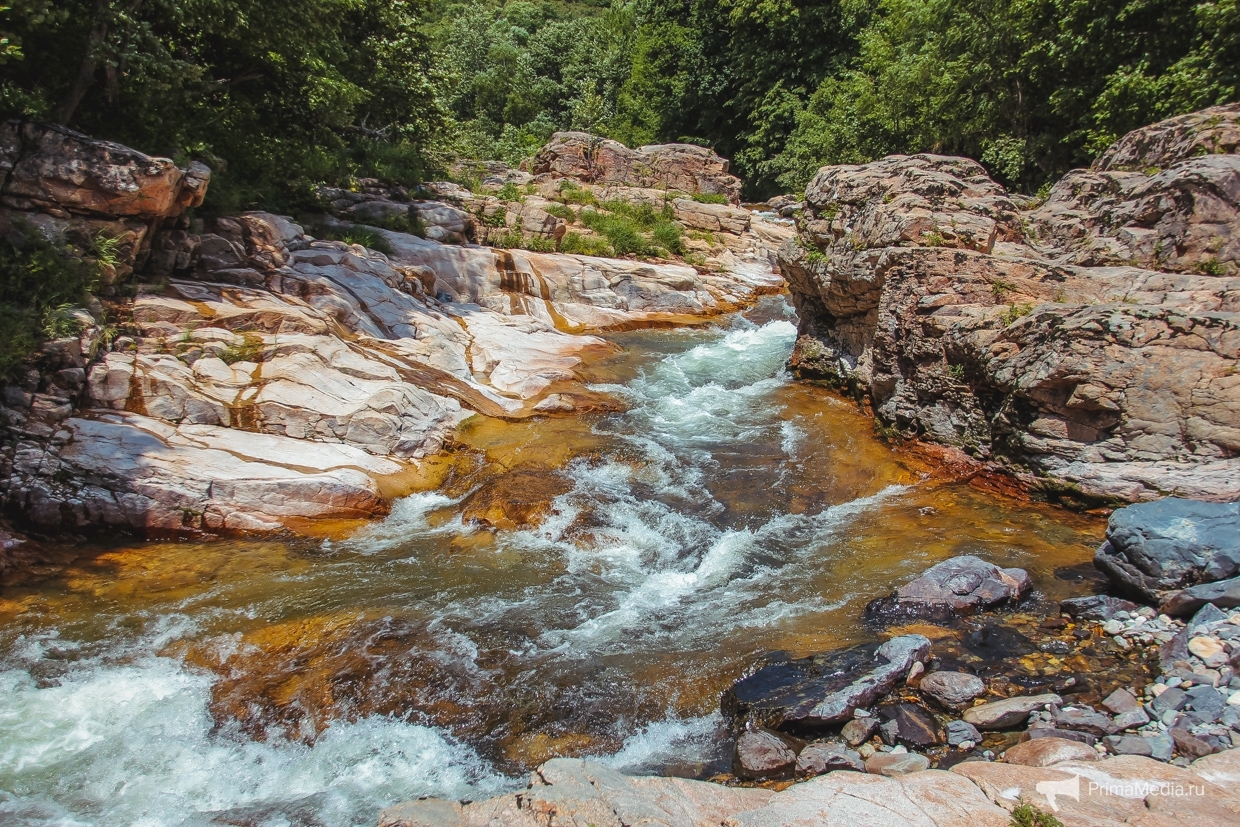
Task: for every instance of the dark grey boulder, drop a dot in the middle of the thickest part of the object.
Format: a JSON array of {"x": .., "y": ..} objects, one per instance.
[
  {"x": 1204, "y": 704},
  {"x": 1158, "y": 547},
  {"x": 914, "y": 726},
  {"x": 957, "y": 587},
  {"x": 1052, "y": 732},
  {"x": 1096, "y": 607},
  {"x": 1084, "y": 719},
  {"x": 823, "y": 690},
  {"x": 1224, "y": 594},
  {"x": 1173, "y": 698}
]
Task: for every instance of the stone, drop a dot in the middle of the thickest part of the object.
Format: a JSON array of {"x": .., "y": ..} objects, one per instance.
[
  {"x": 761, "y": 753},
  {"x": 1204, "y": 704},
  {"x": 1131, "y": 719},
  {"x": 1095, "y": 607},
  {"x": 825, "y": 690},
  {"x": 1157, "y": 547},
  {"x": 953, "y": 690},
  {"x": 1042, "y": 752},
  {"x": 961, "y": 732},
  {"x": 683, "y": 167},
  {"x": 915, "y": 727},
  {"x": 1158, "y": 747},
  {"x": 859, "y": 730},
  {"x": 1083, "y": 719},
  {"x": 894, "y": 276},
  {"x": 1205, "y": 647},
  {"x": 1224, "y": 594},
  {"x": 1066, "y": 734},
  {"x": 59, "y": 168},
  {"x": 820, "y": 757},
  {"x": 1191, "y": 745},
  {"x": 893, "y": 765},
  {"x": 1009, "y": 712},
  {"x": 1121, "y": 700},
  {"x": 959, "y": 586},
  {"x": 1172, "y": 699}
]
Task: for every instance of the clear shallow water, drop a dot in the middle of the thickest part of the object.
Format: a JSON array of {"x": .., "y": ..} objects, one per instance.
[{"x": 726, "y": 514}]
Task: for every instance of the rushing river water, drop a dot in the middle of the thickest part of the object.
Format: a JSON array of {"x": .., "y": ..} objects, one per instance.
[{"x": 726, "y": 514}]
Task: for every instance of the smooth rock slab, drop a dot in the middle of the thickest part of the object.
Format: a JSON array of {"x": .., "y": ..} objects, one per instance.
[
  {"x": 1042, "y": 752},
  {"x": 1009, "y": 712},
  {"x": 1158, "y": 747},
  {"x": 953, "y": 690},
  {"x": 956, "y": 587},
  {"x": 824, "y": 690}
]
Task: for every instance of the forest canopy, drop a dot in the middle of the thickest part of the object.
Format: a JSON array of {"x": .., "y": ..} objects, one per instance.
[{"x": 279, "y": 97}]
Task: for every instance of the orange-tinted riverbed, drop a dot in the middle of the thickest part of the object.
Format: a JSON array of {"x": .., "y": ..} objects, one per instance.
[{"x": 727, "y": 513}]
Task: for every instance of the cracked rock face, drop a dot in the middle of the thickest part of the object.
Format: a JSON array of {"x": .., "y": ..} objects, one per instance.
[{"x": 1090, "y": 343}]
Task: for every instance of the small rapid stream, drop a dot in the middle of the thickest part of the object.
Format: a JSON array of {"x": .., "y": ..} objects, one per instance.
[{"x": 726, "y": 514}]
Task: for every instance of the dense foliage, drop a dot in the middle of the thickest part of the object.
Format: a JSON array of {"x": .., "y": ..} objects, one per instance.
[{"x": 289, "y": 94}]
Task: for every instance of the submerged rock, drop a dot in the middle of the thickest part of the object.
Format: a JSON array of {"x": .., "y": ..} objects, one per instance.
[
  {"x": 823, "y": 690},
  {"x": 1154, "y": 548},
  {"x": 953, "y": 690},
  {"x": 959, "y": 586},
  {"x": 1096, "y": 607}
]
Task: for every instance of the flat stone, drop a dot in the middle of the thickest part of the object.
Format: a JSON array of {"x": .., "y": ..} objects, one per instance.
[
  {"x": 1129, "y": 720},
  {"x": 1204, "y": 704},
  {"x": 1205, "y": 647},
  {"x": 1224, "y": 594},
  {"x": 1158, "y": 747},
  {"x": 1095, "y": 607},
  {"x": 1121, "y": 700},
  {"x": 892, "y": 765},
  {"x": 1170, "y": 699},
  {"x": 959, "y": 732},
  {"x": 762, "y": 753},
  {"x": 824, "y": 756},
  {"x": 1066, "y": 734},
  {"x": 953, "y": 690},
  {"x": 827, "y": 689},
  {"x": 1190, "y": 745},
  {"x": 1083, "y": 719},
  {"x": 1042, "y": 752},
  {"x": 859, "y": 730},
  {"x": 956, "y": 587},
  {"x": 1009, "y": 712}
]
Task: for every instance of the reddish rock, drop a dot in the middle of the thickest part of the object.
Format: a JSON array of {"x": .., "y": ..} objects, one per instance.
[{"x": 1042, "y": 752}]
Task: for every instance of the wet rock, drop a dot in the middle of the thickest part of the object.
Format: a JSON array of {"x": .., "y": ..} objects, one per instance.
[
  {"x": 1051, "y": 732},
  {"x": 859, "y": 730},
  {"x": 761, "y": 753},
  {"x": 893, "y": 765},
  {"x": 1223, "y": 594},
  {"x": 1042, "y": 752},
  {"x": 1158, "y": 747},
  {"x": 954, "y": 690},
  {"x": 1121, "y": 700},
  {"x": 1084, "y": 720},
  {"x": 821, "y": 757},
  {"x": 959, "y": 732},
  {"x": 993, "y": 641},
  {"x": 1009, "y": 712},
  {"x": 1157, "y": 547},
  {"x": 914, "y": 726},
  {"x": 824, "y": 690},
  {"x": 1095, "y": 607},
  {"x": 956, "y": 587},
  {"x": 518, "y": 499}
]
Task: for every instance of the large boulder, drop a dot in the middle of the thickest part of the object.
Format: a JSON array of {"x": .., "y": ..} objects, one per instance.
[
  {"x": 679, "y": 167},
  {"x": 1154, "y": 549},
  {"x": 50, "y": 167},
  {"x": 956, "y": 587},
  {"x": 917, "y": 285},
  {"x": 824, "y": 690}
]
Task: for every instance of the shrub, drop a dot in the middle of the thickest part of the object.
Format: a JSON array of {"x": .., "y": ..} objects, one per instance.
[
  {"x": 583, "y": 245},
  {"x": 359, "y": 234},
  {"x": 563, "y": 211},
  {"x": 1016, "y": 311},
  {"x": 623, "y": 233},
  {"x": 572, "y": 193},
  {"x": 710, "y": 198},
  {"x": 667, "y": 235},
  {"x": 40, "y": 280},
  {"x": 540, "y": 244},
  {"x": 511, "y": 192}
]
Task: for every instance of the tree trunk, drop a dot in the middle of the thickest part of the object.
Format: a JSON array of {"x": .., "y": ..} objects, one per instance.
[{"x": 86, "y": 72}]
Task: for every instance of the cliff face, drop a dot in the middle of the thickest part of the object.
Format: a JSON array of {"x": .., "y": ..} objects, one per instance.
[
  {"x": 1091, "y": 340},
  {"x": 262, "y": 376}
]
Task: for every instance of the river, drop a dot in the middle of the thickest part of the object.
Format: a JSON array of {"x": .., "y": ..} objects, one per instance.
[{"x": 725, "y": 514}]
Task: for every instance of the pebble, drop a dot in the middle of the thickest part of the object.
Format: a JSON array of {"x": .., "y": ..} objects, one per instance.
[
  {"x": 1112, "y": 627},
  {"x": 1205, "y": 647},
  {"x": 1234, "y": 699}
]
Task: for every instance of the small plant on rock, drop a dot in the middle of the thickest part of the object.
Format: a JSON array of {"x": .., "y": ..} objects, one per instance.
[
  {"x": 709, "y": 198},
  {"x": 1014, "y": 312},
  {"x": 1027, "y": 815}
]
